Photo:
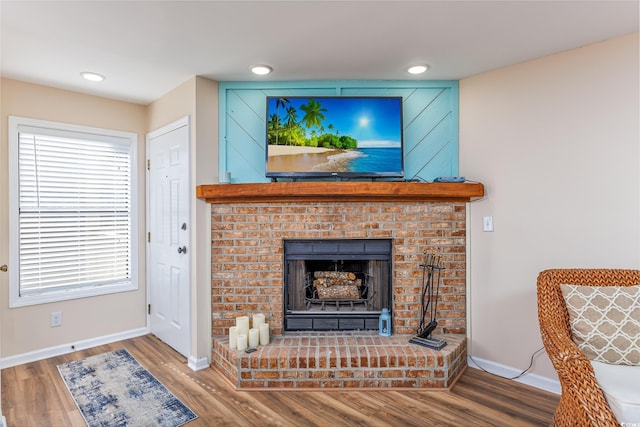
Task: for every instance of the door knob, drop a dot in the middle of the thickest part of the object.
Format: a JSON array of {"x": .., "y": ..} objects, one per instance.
[
  {"x": 3, "y": 268},
  {"x": 182, "y": 250}
]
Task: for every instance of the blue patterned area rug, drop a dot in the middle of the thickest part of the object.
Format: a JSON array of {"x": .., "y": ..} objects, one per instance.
[{"x": 112, "y": 389}]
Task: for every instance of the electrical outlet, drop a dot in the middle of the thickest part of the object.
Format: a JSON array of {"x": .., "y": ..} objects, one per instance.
[
  {"x": 56, "y": 318},
  {"x": 487, "y": 223}
]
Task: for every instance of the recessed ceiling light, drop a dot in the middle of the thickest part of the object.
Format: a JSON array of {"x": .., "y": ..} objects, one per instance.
[
  {"x": 93, "y": 77},
  {"x": 261, "y": 69},
  {"x": 417, "y": 69}
]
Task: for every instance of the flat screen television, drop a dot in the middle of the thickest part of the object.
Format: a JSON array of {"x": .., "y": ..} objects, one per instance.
[{"x": 339, "y": 136}]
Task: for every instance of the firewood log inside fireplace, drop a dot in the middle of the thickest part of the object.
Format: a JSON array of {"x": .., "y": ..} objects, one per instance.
[
  {"x": 337, "y": 285},
  {"x": 338, "y": 292},
  {"x": 333, "y": 278}
]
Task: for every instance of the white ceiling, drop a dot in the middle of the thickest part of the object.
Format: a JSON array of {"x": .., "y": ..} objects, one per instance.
[{"x": 147, "y": 48}]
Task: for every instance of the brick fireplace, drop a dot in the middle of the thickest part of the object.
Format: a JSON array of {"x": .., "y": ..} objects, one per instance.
[{"x": 251, "y": 222}]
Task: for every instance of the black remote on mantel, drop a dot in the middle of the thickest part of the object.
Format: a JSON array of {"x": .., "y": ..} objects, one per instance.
[{"x": 449, "y": 179}]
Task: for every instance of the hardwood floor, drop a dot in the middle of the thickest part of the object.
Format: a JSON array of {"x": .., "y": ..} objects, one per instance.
[{"x": 34, "y": 395}]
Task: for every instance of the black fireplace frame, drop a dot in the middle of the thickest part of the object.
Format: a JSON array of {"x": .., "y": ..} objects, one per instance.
[{"x": 336, "y": 250}]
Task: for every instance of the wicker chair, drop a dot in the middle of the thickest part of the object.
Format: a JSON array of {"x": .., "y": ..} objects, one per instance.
[{"x": 582, "y": 403}]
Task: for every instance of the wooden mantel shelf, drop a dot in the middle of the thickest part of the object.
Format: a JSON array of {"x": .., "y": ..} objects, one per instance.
[{"x": 381, "y": 191}]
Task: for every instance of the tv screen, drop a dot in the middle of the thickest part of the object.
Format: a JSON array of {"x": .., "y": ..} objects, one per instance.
[{"x": 320, "y": 136}]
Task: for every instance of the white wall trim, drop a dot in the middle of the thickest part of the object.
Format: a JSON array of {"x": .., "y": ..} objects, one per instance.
[
  {"x": 533, "y": 380},
  {"x": 198, "y": 364},
  {"x": 45, "y": 353}
]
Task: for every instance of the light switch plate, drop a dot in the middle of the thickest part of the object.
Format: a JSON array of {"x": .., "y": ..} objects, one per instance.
[{"x": 487, "y": 223}]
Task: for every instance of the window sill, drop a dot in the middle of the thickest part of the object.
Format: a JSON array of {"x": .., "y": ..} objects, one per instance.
[{"x": 69, "y": 294}]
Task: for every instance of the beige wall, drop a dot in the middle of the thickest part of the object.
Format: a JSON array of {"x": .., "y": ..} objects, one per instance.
[
  {"x": 206, "y": 172},
  {"x": 27, "y": 329},
  {"x": 556, "y": 143},
  {"x": 198, "y": 99}
]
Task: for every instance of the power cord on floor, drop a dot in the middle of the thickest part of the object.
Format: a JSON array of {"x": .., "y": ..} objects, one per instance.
[{"x": 507, "y": 378}]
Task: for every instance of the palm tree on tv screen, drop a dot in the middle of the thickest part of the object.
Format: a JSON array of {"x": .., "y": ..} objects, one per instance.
[
  {"x": 280, "y": 102},
  {"x": 292, "y": 122},
  {"x": 286, "y": 129},
  {"x": 274, "y": 127},
  {"x": 313, "y": 116}
]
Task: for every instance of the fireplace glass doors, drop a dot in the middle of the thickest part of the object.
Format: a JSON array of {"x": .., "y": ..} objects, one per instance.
[{"x": 336, "y": 284}]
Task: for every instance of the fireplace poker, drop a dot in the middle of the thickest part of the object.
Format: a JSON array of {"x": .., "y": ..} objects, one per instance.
[{"x": 431, "y": 268}]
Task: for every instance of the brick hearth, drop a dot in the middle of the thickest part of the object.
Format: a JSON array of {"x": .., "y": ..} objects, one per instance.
[
  {"x": 312, "y": 360},
  {"x": 247, "y": 278}
]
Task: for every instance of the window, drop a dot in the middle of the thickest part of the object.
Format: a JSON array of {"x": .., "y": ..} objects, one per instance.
[{"x": 72, "y": 211}]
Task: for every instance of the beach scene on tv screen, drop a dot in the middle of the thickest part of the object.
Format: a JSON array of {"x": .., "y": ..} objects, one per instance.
[{"x": 334, "y": 135}]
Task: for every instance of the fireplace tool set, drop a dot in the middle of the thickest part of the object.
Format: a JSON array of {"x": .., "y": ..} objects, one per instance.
[{"x": 431, "y": 279}]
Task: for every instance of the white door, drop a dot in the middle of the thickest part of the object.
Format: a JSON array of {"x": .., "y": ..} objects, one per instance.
[{"x": 168, "y": 239}]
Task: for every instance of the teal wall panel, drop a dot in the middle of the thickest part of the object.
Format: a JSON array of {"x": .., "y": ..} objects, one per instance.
[{"x": 430, "y": 116}]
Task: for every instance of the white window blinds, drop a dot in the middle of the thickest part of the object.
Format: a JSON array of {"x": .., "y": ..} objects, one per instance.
[{"x": 75, "y": 210}]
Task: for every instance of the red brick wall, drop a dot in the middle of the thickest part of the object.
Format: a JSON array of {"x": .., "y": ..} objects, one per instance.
[{"x": 247, "y": 249}]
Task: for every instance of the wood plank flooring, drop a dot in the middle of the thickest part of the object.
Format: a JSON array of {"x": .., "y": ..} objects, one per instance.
[{"x": 34, "y": 395}]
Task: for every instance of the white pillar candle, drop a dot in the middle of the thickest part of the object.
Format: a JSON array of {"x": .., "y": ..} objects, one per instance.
[
  {"x": 233, "y": 337},
  {"x": 264, "y": 334},
  {"x": 242, "y": 323},
  {"x": 258, "y": 319},
  {"x": 253, "y": 338},
  {"x": 242, "y": 342}
]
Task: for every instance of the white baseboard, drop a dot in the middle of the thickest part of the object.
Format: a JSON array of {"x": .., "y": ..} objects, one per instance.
[
  {"x": 533, "y": 380},
  {"x": 3, "y": 421},
  {"x": 198, "y": 364},
  {"x": 45, "y": 353}
]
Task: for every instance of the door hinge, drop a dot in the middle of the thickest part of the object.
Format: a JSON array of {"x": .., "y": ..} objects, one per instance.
[
  {"x": 148, "y": 164},
  {"x": 149, "y": 309},
  {"x": 149, "y": 236}
]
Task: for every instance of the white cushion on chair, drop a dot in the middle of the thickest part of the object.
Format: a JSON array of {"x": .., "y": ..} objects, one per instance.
[{"x": 621, "y": 387}]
